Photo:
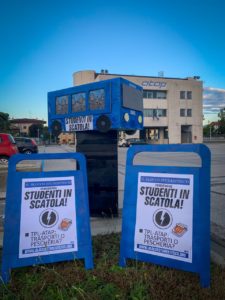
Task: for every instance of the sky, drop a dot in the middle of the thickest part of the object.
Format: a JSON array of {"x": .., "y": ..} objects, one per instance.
[{"x": 43, "y": 42}]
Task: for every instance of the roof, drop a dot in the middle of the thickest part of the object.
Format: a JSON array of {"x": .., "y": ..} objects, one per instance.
[
  {"x": 218, "y": 123},
  {"x": 27, "y": 121},
  {"x": 144, "y": 76}
]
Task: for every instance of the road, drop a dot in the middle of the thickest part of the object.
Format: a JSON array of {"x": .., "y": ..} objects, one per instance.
[{"x": 218, "y": 190}]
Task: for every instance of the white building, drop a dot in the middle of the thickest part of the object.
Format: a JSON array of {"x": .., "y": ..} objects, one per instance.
[{"x": 172, "y": 106}]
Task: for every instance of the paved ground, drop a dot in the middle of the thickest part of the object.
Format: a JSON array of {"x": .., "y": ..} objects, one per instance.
[
  {"x": 217, "y": 188},
  {"x": 218, "y": 201}
]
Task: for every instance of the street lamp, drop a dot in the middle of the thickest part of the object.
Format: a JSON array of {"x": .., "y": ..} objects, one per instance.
[{"x": 210, "y": 131}]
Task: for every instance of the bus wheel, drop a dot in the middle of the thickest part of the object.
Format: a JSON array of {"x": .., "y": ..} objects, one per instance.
[
  {"x": 130, "y": 132},
  {"x": 103, "y": 123}
]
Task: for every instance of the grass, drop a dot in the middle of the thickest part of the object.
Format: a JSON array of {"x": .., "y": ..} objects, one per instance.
[{"x": 69, "y": 280}]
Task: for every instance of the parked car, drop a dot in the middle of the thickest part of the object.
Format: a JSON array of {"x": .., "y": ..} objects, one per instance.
[
  {"x": 136, "y": 141},
  {"x": 26, "y": 145},
  {"x": 7, "y": 147}
]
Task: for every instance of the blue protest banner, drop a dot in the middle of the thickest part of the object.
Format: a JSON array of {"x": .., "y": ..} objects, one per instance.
[
  {"x": 46, "y": 215},
  {"x": 166, "y": 212}
]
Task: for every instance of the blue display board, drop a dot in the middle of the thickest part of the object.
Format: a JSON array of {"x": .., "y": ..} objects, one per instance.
[
  {"x": 46, "y": 215},
  {"x": 166, "y": 212}
]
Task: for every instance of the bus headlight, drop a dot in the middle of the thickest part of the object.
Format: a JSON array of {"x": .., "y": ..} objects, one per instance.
[
  {"x": 126, "y": 117},
  {"x": 140, "y": 119}
]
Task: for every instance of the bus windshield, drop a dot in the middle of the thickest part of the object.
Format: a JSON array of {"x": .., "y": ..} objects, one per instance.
[{"x": 132, "y": 97}]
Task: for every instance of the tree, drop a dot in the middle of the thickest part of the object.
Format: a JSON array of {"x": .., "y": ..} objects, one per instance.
[
  {"x": 36, "y": 130},
  {"x": 208, "y": 130},
  {"x": 4, "y": 122},
  {"x": 221, "y": 128},
  {"x": 46, "y": 134}
]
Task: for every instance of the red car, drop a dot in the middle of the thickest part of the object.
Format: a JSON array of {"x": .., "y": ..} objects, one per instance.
[{"x": 7, "y": 147}]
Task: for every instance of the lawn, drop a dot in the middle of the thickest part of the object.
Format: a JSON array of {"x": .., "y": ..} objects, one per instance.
[{"x": 69, "y": 280}]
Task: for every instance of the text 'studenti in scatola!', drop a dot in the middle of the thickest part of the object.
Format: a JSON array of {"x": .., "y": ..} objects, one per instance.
[
  {"x": 164, "y": 215},
  {"x": 48, "y": 216},
  {"x": 48, "y": 198}
]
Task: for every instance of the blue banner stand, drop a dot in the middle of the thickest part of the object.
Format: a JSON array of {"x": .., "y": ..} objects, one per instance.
[
  {"x": 18, "y": 186},
  {"x": 200, "y": 261}
]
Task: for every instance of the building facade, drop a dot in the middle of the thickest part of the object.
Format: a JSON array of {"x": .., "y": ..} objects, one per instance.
[
  {"x": 22, "y": 125},
  {"x": 66, "y": 138},
  {"x": 172, "y": 106}
]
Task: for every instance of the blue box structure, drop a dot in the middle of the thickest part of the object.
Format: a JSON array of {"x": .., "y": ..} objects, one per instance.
[
  {"x": 166, "y": 212},
  {"x": 96, "y": 112},
  {"x": 46, "y": 215},
  {"x": 114, "y": 104}
]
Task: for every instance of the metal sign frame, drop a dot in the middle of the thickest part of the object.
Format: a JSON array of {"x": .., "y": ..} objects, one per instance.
[
  {"x": 201, "y": 209},
  {"x": 10, "y": 258}
]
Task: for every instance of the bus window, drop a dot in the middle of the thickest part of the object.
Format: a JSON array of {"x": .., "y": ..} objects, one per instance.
[
  {"x": 61, "y": 104},
  {"x": 97, "y": 99},
  {"x": 78, "y": 102},
  {"x": 132, "y": 98}
]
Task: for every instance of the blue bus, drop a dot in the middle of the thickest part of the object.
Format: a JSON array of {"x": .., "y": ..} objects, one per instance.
[{"x": 104, "y": 105}]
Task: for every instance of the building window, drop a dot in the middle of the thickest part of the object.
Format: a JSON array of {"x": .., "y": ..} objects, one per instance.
[
  {"x": 61, "y": 105},
  {"x": 148, "y": 94},
  {"x": 186, "y": 95},
  {"x": 189, "y": 112},
  {"x": 97, "y": 99},
  {"x": 186, "y": 113},
  {"x": 154, "y": 94},
  {"x": 182, "y": 94},
  {"x": 182, "y": 112},
  {"x": 189, "y": 95},
  {"x": 155, "y": 113},
  {"x": 166, "y": 134},
  {"x": 161, "y": 112},
  {"x": 160, "y": 95},
  {"x": 78, "y": 102},
  {"x": 148, "y": 113}
]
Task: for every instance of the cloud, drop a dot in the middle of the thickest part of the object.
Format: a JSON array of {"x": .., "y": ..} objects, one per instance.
[{"x": 213, "y": 100}]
